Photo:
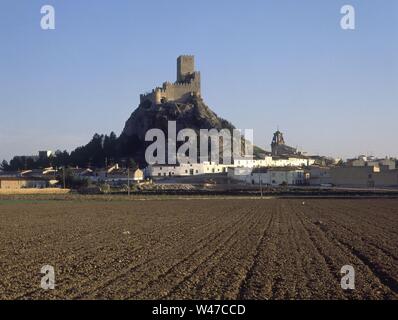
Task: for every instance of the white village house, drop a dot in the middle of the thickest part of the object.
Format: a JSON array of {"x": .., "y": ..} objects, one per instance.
[
  {"x": 185, "y": 169},
  {"x": 271, "y": 176}
]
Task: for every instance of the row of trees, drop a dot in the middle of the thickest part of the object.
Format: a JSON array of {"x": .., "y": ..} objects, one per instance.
[{"x": 101, "y": 151}]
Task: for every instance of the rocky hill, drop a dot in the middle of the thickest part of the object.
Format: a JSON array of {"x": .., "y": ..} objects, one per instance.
[{"x": 194, "y": 114}]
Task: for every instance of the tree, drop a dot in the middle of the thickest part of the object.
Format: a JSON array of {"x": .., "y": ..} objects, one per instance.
[
  {"x": 4, "y": 166},
  {"x": 109, "y": 147},
  {"x": 132, "y": 164},
  {"x": 17, "y": 163},
  {"x": 72, "y": 182},
  {"x": 100, "y": 149},
  {"x": 61, "y": 159}
]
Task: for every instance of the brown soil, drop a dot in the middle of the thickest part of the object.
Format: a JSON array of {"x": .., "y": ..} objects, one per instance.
[{"x": 199, "y": 248}]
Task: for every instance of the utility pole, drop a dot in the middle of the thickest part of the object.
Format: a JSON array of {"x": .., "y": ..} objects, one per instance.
[
  {"x": 63, "y": 176},
  {"x": 261, "y": 186},
  {"x": 128, "y": 179}
]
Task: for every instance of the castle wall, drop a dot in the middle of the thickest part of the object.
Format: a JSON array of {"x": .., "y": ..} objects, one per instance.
[
  {"x": 188, "y": 83},
  {"x": 177, "y": 92}
]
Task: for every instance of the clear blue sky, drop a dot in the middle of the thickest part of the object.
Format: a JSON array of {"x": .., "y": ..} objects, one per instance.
[{"x": 263, "y": 64}]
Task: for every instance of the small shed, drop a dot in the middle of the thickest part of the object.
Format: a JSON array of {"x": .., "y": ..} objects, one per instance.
[{"x": 22, "y": 182}]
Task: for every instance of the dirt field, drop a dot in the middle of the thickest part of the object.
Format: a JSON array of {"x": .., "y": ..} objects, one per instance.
[{"x": 199, "y": 249}]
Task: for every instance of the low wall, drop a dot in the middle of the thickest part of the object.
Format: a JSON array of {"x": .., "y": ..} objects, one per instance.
[{"x": 34, "y": 191}]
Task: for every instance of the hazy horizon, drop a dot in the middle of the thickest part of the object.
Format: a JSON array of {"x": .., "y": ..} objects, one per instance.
[{"x": 264, "y": 64}]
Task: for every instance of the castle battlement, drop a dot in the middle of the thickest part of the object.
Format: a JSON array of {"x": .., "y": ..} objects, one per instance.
[{"x": 187, "y": 84}]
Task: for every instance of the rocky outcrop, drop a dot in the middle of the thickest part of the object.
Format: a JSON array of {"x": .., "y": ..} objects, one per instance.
[{"x": 194, "y": 114}]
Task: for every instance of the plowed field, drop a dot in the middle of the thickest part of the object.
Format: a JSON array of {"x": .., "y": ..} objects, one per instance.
[{"x": 199, "y": 249}]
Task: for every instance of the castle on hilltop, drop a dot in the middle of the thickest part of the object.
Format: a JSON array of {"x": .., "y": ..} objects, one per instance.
[{"x": 187, "y": 84}]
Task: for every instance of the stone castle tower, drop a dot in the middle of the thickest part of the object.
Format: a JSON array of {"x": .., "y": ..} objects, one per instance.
[
  {"x": 185, "y": 68},
  {"x": 187, "y": 84}
]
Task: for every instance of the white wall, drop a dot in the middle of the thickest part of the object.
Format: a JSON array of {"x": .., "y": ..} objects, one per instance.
[
  {"x": 271, "y": 177},
  {"x": 274, "y": 162},
  {"x": 186, "y": 169}
]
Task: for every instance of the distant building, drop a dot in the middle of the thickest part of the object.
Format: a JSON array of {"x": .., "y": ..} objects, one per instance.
[
  {"x": 364, "y": 161},
  {"x": 185, "y": 169},
  {"x": 207, "y": 167},
  {"x": 42, "y": 155},
  {"x": 23, "y": 182},
  {"x": 270, "y": 176},
  {"x": 286, "y": 157},
  {"x": 278, "y": 146},
  {"x": 45, "y": 154},
  {"x": 38, "y": 173},
  {"x": 82, "y": 173},
  {"x": 276, "y": 161},
  {"x": 187, "y": 84}
]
